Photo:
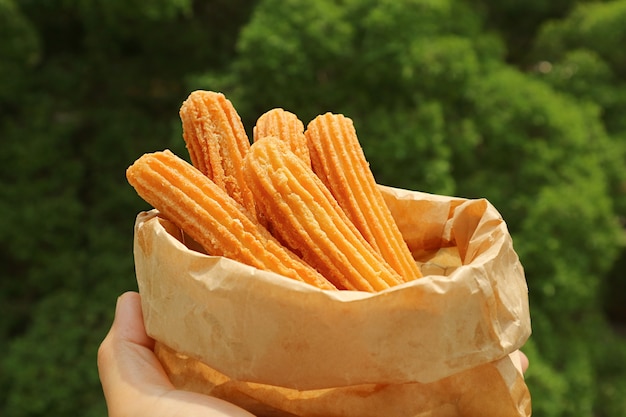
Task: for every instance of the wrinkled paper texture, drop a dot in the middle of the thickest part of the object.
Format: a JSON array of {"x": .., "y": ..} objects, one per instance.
[
  {"x": 495, "y": 389},
  {"x": 456, "y": 325}
]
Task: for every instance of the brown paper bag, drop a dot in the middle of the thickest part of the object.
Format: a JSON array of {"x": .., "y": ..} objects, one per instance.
[
  {"x": 436, "y": 346},
  {"x": 496, "y": 389}
]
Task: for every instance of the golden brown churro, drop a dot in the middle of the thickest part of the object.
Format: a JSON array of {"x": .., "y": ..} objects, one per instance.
[
  {"x": 212, "y": 218},
  {"x": 217, "y": 142},
  {"x": 309, "y": 221},
  {"x": 285, "y": 126},
  {"x": 338, "y": 159}
]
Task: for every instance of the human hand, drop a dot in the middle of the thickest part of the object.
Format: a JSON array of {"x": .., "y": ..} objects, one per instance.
[{"x": 133, "y": 380}]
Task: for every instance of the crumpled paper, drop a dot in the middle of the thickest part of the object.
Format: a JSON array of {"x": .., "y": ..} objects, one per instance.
[{"x": 437, "y": 346}]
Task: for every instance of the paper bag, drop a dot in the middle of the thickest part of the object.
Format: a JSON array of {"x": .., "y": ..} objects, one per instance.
[
  {"x": 495, "y": 389},
  {"x": 257, "y": 335}
]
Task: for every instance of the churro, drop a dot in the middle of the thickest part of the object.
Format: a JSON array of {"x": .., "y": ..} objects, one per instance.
[
  {"x": 338, "y": 159},
  {"x": 286, "y": 126},
  {"x": 217, "y": 142},
  {"x": 212, "y": 218},
  {"x": 308, "y": 220}
]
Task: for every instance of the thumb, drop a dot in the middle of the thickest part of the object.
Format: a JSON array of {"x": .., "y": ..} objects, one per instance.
[{"x": 128, "y": 368}]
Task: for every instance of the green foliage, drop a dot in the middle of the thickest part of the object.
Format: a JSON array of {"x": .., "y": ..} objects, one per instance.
[
  {"x": 518, "y": 22},
  {"x": 583, "y": 55},
  {"x": 409, "y": 156},
  {"x": 609, "y": 354},
  {"x": 19, "y": 50},
  {"x": 518, "y": 102},
  {"x": 597, "y": 26},
  {"x": 86, "y": 88},
  {"x": 68, "y": 368}
]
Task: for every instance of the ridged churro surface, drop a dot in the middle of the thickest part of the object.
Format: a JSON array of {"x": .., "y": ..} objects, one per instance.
[
  {"x": 308, "y": 220},
  {"x": 212, "y": 218},
  {"x": 338, "y": 159},
  {"x": 217, "y": 142},
  {"x": 287, "y": 127}
]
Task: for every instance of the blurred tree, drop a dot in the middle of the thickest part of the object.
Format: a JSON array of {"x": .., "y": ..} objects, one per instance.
[
  {"x": 582, "y": 55},
  {"x": 518, "y": 22},
  {"x": 19, "y": 50},
  {"x": 86, "y": 88}
]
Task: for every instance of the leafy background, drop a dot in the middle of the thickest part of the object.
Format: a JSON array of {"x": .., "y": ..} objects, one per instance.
[{"x": 518, "y": 102}]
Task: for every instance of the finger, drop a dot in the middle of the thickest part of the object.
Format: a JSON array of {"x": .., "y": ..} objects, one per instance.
[
  {"x": 128, "y": 321},
  {"x": 128, "y": 368},
  {"x": 524, "y": 361}
]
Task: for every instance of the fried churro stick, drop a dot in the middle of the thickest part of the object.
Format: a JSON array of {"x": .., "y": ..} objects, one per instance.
[
  {"x": 285, "y": 126},
  {"x": 308, "y": 220},
  {"x": 212, "y": 218},
  {"x": 338, "y": 159},
  {"x": 217, "y": 142}
]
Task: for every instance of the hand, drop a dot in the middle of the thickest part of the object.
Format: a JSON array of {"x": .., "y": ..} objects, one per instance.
[{"x": 133, "y": 380}]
